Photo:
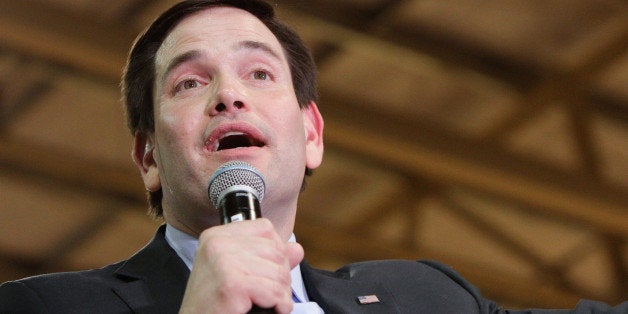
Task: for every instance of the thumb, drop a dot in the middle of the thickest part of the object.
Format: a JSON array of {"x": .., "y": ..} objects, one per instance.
[{"x": 295, "y": 254}]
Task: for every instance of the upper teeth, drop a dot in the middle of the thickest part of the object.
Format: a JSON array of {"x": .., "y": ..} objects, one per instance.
[{"x": 230, "y": 134}]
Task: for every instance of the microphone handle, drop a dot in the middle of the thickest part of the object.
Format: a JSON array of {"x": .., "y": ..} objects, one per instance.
[
  {"x": 258, "y": 310},
  {"x": 239, "y": 206}
]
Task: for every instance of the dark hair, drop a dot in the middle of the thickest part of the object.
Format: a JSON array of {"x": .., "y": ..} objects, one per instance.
[{"x": 139, "y": 75}]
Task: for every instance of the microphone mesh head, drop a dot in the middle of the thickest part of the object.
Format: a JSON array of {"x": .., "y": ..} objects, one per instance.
[{"x": 232, "y": 173}]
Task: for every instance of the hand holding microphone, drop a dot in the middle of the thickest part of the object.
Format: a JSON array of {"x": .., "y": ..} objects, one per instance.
[{"x": 244, "y": 265}]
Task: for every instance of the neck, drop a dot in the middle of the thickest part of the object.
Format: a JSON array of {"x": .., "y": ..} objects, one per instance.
[
  {"x": 282, "y": 216},
  {"x": 283, "y": 221},
  {"x": 189, "y": 224}
]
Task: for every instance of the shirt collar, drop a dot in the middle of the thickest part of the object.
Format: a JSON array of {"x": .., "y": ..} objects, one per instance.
[
  {"x": 182, "y": 243},
  {"x": 185, "y": 246}
]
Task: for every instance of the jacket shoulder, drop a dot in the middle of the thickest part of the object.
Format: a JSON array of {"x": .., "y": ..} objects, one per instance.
[
  {"x": 447, "y": 285},
  {"x": 70, "y": 291},
  {"x": 437, "y": 285},
  {"x": 407, "y": 270},
  {"x": 153, "y": 280}
]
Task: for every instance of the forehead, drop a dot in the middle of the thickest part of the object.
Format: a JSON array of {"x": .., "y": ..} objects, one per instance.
[{"x": 213, "y": 29}]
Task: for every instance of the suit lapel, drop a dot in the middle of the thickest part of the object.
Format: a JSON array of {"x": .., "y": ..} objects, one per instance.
[
  {"x": 136, "y": 295},
  {"x": 154, "y": 279},
  {"x": 338, "y": 293}
]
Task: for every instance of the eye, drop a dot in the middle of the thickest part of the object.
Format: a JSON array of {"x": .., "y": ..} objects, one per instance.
[
  {"x": 260, "y": 75},
  {"x": 186, "y": 84}
]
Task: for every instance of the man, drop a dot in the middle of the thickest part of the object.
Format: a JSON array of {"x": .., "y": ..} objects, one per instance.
[{"x": 210, "y": 82}]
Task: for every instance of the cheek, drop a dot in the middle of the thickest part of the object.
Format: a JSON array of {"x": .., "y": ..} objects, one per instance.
[
  {"x": 291, "y": 125},
  {"x": 172, "y": 114},
  {"x": 287, "y": 113},
  {"x": 180, "y": 117},
  {"x": 293, "y": 135},
  {"x": 173, "y": 128}
]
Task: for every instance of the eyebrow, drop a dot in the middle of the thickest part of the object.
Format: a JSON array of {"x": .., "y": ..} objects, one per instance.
[
  {"x": 256, "y": 45},
  {"x": 182, "y": 58}
]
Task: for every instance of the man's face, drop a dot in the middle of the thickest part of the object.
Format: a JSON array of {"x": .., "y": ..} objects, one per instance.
[{"x": 223, "y": 91}]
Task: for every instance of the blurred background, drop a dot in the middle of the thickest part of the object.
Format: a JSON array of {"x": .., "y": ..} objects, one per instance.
[{"x": 489, "y": 135}]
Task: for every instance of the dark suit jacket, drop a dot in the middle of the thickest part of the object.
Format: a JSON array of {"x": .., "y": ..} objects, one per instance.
[{"x": 154, "y": 280}]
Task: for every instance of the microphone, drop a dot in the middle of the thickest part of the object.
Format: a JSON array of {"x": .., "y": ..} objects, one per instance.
[{"x": 235, "y": 190}]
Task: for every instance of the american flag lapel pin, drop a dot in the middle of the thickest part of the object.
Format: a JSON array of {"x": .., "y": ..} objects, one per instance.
[{"x": 368, "y": 299}]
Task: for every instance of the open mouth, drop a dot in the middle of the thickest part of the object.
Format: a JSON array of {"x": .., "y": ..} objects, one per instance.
[{"x": 234, "y": 140}]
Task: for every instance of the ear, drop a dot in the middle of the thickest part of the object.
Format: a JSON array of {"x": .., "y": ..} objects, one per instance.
[
  {"x": 143, "y": 155},
  {"x": 313, "y": 123}
]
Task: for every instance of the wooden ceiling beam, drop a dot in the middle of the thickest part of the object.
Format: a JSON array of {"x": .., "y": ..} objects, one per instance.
[
  {"x": 36, "y": 27},
  {"x": 449, "y": 49},
  {"x": 589, "y": 56},
  {"x": 61, "y": 167},
  {"x": 569, "y": 197}
]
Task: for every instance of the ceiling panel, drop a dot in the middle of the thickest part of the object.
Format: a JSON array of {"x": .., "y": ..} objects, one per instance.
[
  {"x": 123, "y": 233},
  {"x": 415, "y": 86},
  {"x": 80, "y": 116},
  {"x": 39, "y": 216},
  {"x": 532, "y": 32}
]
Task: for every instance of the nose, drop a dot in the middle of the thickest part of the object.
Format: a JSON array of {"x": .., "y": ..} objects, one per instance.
[
  {"x": 221, "y": 106},
  {"x": 228, "y": 99}
]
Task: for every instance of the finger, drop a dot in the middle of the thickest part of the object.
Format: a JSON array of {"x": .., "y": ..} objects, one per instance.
[
  {"x": 252, "y": 269},
  {"x": 294, "y": 253},
  {"x": 265, "y": 284},
  {"x": 261, "y": 227},
  {"x": 269, "y": 294},
  {"x": 243, "y": 248}
]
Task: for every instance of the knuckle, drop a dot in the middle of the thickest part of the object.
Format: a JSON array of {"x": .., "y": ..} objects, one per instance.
[
  {"x": 284, "y": 279},
  {"x": 278, "y": 290}
]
